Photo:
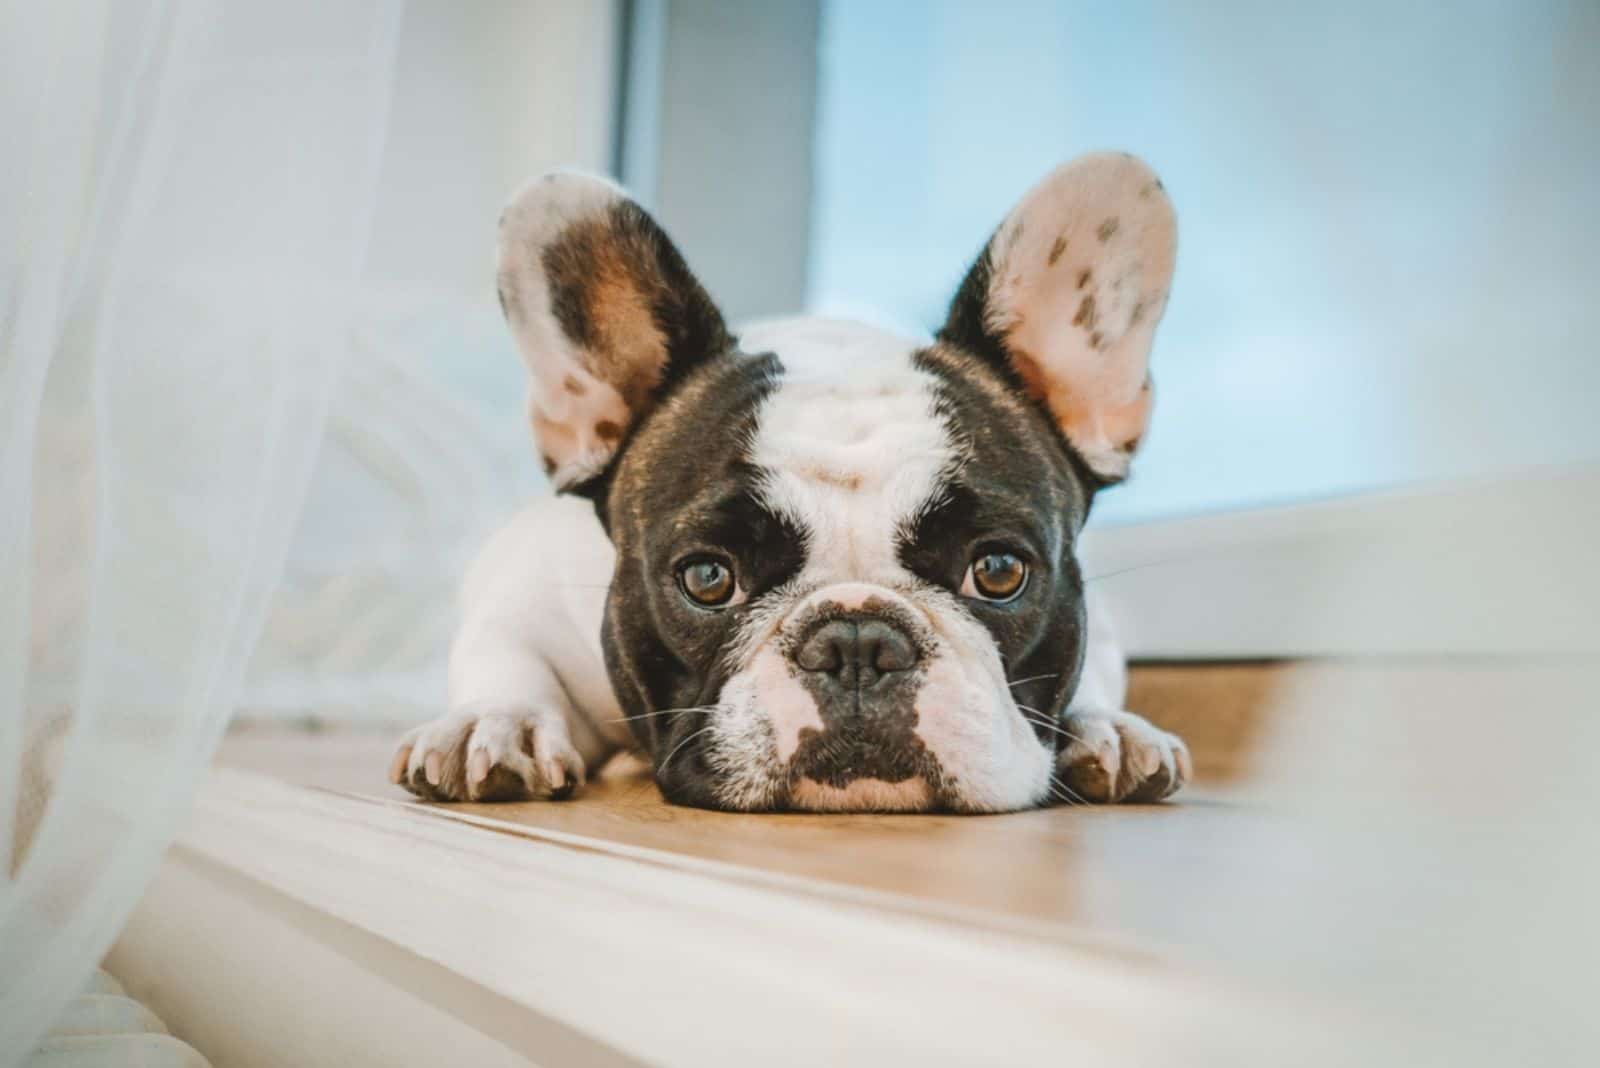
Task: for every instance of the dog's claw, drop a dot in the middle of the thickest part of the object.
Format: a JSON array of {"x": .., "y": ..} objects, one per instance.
[
  {"x": 397, "y": 766},
  {"x": 477, "y": 767},
  {"x": 502, "y": 755},
  {"x": 1117, "y": 756}
]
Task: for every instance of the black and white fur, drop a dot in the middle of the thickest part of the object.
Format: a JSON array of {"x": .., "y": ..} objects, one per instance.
[{"x": 848, "y": 477}]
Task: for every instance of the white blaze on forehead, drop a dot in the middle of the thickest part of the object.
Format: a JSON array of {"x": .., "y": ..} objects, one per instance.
[{"x": 851, "y": 440}]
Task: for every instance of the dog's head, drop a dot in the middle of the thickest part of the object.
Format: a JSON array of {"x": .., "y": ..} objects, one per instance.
[{"x": 846, "y": 575}]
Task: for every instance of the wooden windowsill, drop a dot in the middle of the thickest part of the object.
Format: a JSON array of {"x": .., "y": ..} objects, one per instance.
[
  {"x": 538, "y": 939},
  {"x": 1055, "y": 871},
  {"x": 603, "y": 927},
  {"x": 338, "y": 922}
]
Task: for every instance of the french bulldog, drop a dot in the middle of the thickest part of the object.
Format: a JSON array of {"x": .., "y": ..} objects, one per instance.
[{"x": 811, "y": 564}]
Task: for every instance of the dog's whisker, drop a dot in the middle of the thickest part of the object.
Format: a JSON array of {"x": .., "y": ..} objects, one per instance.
[
  {"x": 664, "y": 712},
  {"x": 1034, "y": 678},
  {"x": 1035, "y": 716},
  {"x": 679, "y": 747},
  {"x": 1048, "y": 722},
  {"x": 1036, "y": 711},
  {"x": 1055, "y": 729},
  {"x": 1062, "y": 792},
  {"x": 1140, "y": 567}
]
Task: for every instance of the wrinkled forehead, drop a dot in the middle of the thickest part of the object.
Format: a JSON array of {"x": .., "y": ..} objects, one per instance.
[
  {"x": 847, "y": 434},
  {"x": 851, "y": 443}
]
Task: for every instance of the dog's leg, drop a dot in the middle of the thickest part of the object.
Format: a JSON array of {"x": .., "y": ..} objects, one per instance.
[
  {"x": 509, "y": 733},
  {"x": 531, "y": 714},
  {"x": 1113, "y": 755}
]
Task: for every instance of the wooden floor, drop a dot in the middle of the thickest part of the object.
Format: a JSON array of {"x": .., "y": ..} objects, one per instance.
[{"x": 1084, "y": 871}]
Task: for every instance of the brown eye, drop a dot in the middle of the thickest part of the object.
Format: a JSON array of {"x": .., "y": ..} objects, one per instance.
[
  {"x": 707, "y": 582},
  {"x": 996, "y": 576}
]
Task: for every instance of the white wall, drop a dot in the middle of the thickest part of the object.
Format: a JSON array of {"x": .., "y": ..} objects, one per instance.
[
  {"x": 1389, "y": 227},
  {"x": 487, "y": 94},
  {"x": 734, "y": 112},
  {"x": 427, "y": 446}
]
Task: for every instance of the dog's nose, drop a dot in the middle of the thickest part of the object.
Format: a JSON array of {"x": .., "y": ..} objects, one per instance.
[{"x": 857, "y": 652}]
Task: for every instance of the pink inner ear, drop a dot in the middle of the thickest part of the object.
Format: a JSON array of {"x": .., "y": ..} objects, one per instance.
[
  {"x": 1106, "y": 434},
  {"x": 582, "y": 273},
  {"x": 577, "y": 421},
  {"x": 576, "y": 270},
  {"x": 1080, "y": 275}
]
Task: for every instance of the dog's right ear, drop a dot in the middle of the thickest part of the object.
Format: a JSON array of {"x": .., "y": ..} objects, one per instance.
[
  {"x": 605, "y": 312},
  {"x": 1066, "y": 296}
]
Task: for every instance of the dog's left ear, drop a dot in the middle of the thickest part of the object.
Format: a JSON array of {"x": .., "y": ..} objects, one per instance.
[
  {"x": 606, "y": 313},
  {"x": 1066, "y": 296}
]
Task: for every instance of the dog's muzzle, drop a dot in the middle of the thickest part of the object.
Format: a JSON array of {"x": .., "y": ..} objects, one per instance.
[{"x": 863, "y": 670}]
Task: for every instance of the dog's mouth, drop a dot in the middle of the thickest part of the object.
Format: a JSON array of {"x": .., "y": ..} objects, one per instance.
[
  {"x": 865, "y": 701},
  {"x": 842, "y": 754},
  {"x": 962, "y": 760},
  {"x": 873, "y": 763},
  {"x": 863, "y": 671},
  {"x": 864, "y": 795},
  {"x": 853, "y": 766}
]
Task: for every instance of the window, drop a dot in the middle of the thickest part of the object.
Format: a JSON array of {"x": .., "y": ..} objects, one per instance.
[{"x": 1388, "y": 224}]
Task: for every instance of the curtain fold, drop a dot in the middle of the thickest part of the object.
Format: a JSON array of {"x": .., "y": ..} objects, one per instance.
[{"x": 184, "y": 214}]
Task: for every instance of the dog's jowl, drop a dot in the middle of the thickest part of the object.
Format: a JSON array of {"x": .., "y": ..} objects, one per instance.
[{"x": 809, "y": 564}]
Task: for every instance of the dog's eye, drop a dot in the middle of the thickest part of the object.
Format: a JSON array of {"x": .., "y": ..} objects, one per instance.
[
  {"x": 995, "y": 576},
  {"x": 707, "y": 581}
]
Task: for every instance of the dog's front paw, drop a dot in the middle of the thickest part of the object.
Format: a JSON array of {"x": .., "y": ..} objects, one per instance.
[
  {"x": 501, "y": 755},
  {"x": 1117, "y": 756}
]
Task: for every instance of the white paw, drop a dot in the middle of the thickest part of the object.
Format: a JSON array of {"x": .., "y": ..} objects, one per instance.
[
  {"x": 1117, "y": 756},
  {"x": 501, "y": 755}
]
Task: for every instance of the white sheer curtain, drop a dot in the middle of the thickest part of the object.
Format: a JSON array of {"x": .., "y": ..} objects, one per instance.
[{"x": 185, "y": 190}]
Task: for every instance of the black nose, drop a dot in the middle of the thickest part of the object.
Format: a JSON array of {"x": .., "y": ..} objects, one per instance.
[{"x": 856, "y": 652}]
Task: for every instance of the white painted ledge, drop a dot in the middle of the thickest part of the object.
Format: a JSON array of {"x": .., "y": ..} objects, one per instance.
[
  {"x": 293, "y": 926},
  {"x": 1501, "y": 567}
]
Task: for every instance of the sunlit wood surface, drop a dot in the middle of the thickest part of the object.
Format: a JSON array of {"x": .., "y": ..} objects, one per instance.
[
  {"x": 1085, "y": 870},
  {"x": 1379, "y": 854}
]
